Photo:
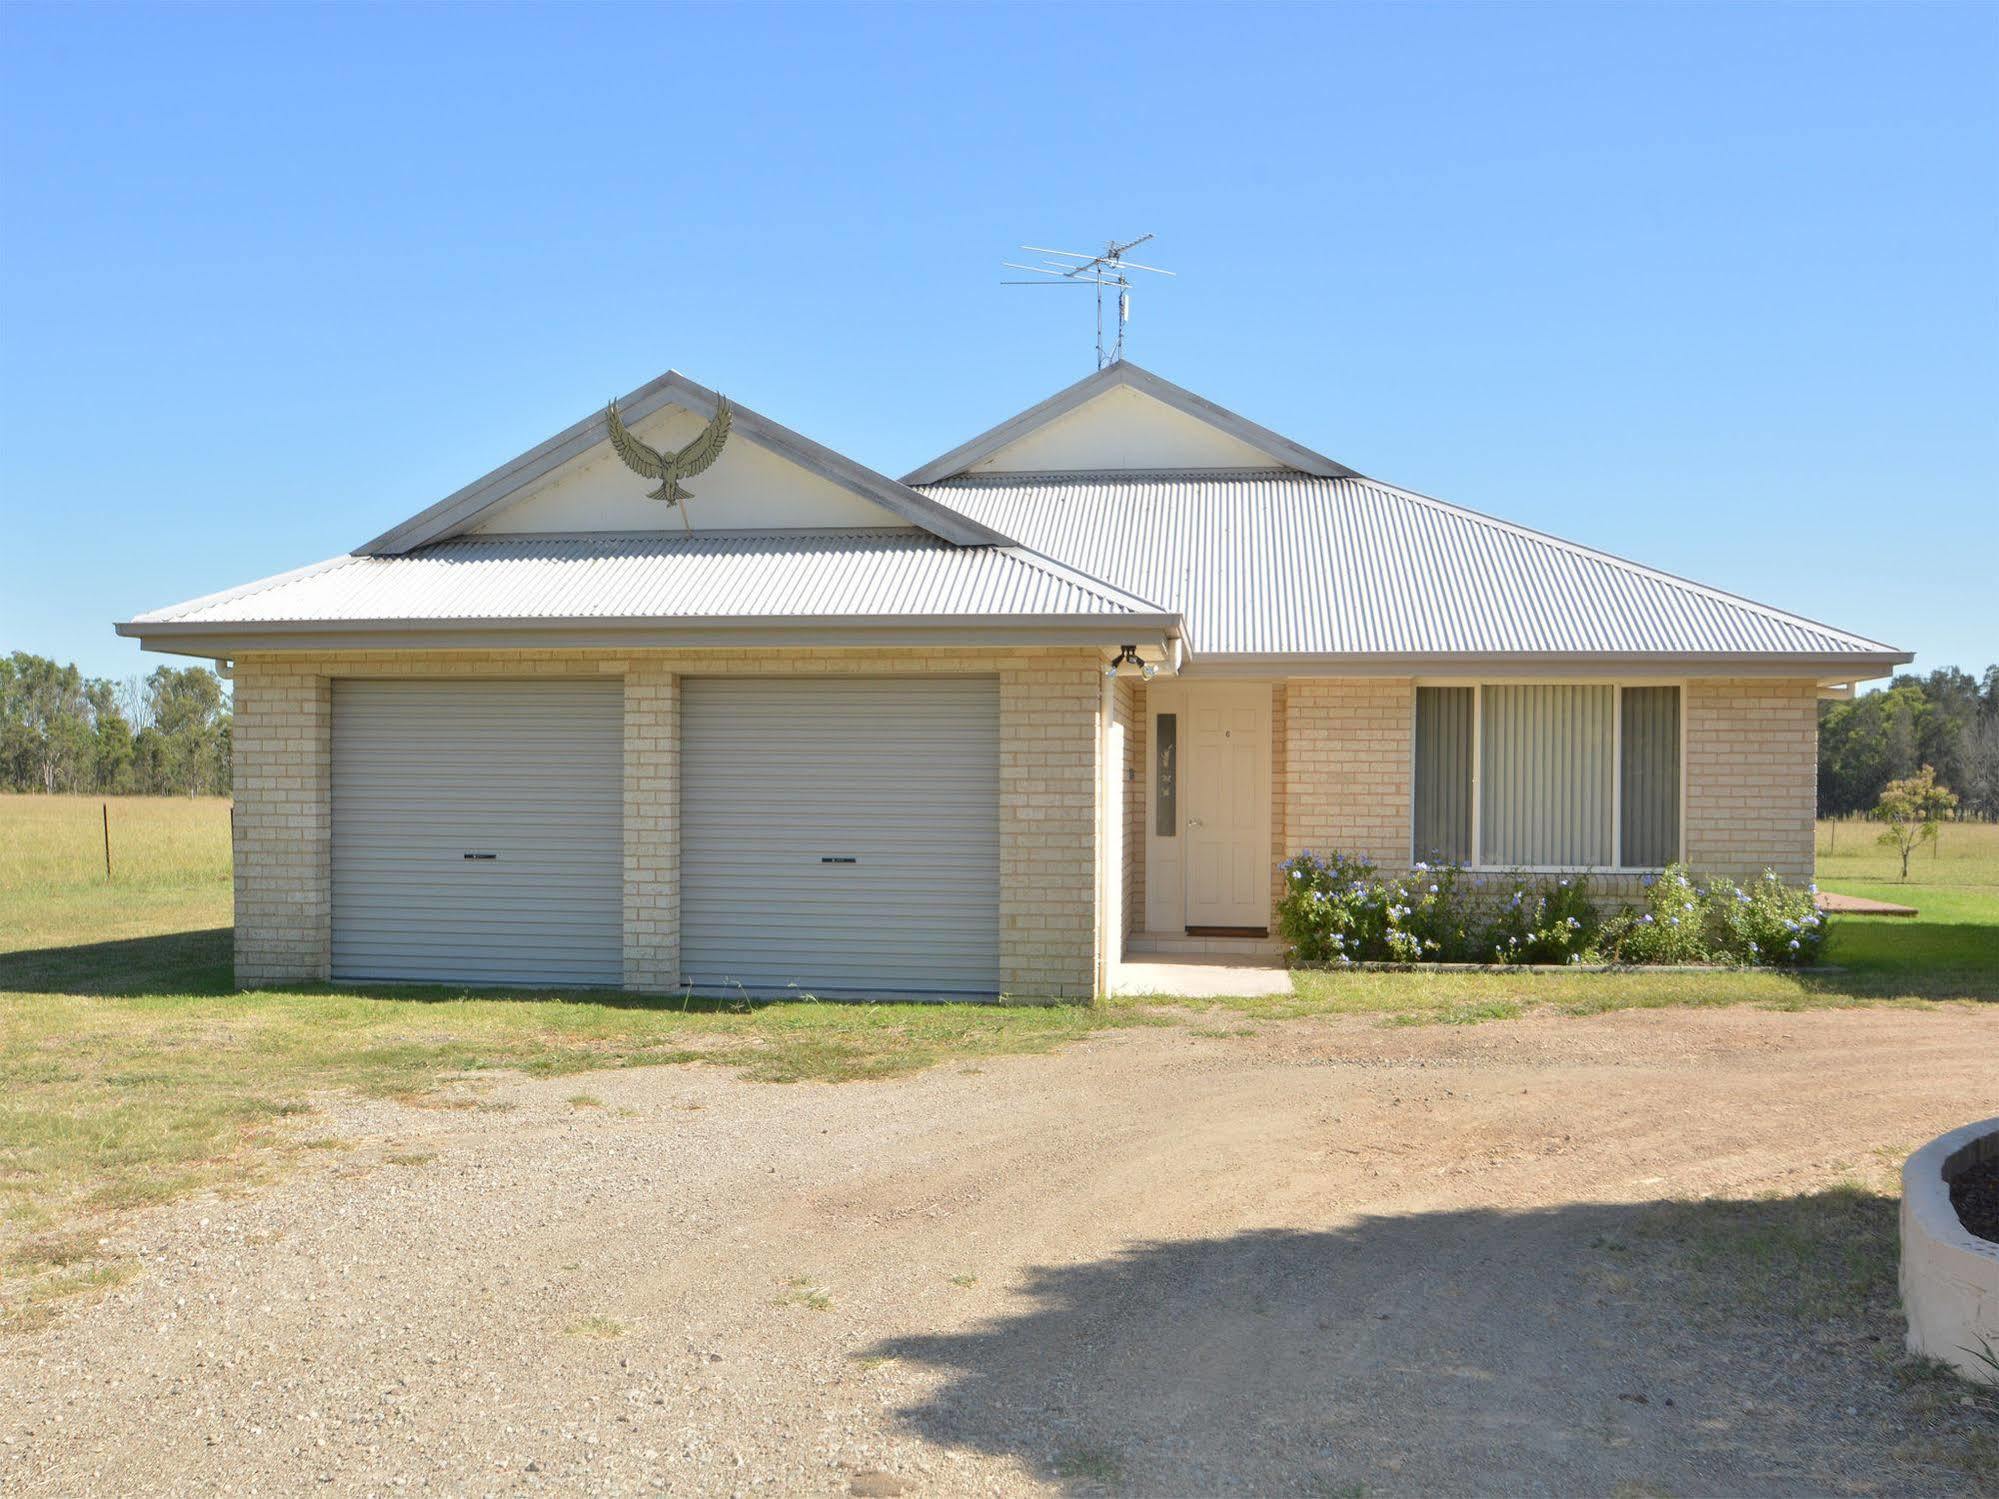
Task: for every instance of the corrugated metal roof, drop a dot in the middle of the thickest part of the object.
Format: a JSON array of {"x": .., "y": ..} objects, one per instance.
[
  {"x": 1262, "y": 563},
  {"x": 859, "y": 573}
]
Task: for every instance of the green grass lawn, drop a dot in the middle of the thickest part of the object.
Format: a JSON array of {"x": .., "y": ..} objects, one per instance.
[{"x": 132, "y": 1071}]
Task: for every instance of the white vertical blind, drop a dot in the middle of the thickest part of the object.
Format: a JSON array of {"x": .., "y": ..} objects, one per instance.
[
  {"x": 1444, "y": 773},
  {"x": 1649, "y": 777},
  {"x": 1548, "y": 773}
]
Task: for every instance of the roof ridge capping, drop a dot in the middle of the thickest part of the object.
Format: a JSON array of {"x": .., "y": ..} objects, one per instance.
[
  {"x": 1110, "y": 593},
  {"x": 1110, "y": 377},
  {"x": 453, "y": 514}
]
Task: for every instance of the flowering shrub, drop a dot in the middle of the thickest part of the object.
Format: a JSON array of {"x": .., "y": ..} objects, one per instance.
[
  {"x": 1671, "y": 929},
  {"x": 1766, "y": 923},
  {"x": 1340, "y": 910},
  {"x": 1543, "y": 923}
]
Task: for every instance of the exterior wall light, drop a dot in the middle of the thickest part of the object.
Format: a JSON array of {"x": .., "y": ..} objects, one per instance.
[{"x": 1127, "y": 656}]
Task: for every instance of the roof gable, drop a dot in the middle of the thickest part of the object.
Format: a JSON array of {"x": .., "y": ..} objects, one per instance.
[
  {"x": 1125, "y": 419},
  {"x": 767, "y": 477}
]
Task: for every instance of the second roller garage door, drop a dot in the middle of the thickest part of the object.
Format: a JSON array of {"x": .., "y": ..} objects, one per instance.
[{"x": 840, "y": 836}]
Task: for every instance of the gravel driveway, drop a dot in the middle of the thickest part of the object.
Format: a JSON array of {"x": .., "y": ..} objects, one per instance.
[{"x": 1316, "y": 1257}]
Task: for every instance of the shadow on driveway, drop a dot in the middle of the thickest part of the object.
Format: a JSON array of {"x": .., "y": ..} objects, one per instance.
[{"x": 1685, "y": 1348}]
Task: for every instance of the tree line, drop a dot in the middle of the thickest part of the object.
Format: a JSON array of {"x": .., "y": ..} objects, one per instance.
[
  {"x": 166, "y": 733},
  {"x": 1948, "y": 720}
]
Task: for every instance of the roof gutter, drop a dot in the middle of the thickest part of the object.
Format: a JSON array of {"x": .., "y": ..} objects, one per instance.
[
  {"x": 1832, "y": 667},
  {"x": 799, "y": 632}
]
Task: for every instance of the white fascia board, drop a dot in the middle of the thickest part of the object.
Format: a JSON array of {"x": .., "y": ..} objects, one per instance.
[
  {"x": 1283, "y": 449},
  {"x": 457, "y": 512},
  {"x": 1553, "y": 665},
  {"x": 943, "y": 631}
]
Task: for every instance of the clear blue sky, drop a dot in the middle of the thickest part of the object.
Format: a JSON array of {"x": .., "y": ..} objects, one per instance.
[{"x": 1715, "y": 287}]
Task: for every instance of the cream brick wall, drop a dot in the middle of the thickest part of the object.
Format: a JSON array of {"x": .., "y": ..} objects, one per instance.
[
  {"x": 652, "y": 826},
  {"x": 1049, "y": 783},
  {"x": 1348, "y": 743},
  {"x": 1050, "y": 703},
  {"x": 1752, "y": 777},
  {"x": 283, "y": 829}
]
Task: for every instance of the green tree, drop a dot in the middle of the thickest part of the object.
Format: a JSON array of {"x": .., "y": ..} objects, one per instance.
[
  {"x": 1912, "y": 808},
  {"x": 190, "y": 719},
  {"x": 112, "y": 731},
  {"x": 45, "y": 739},
  {"x": 62, "y": 731}
]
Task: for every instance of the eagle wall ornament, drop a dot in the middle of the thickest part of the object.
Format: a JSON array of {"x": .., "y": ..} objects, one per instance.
[{"x": 648, "y": 463}]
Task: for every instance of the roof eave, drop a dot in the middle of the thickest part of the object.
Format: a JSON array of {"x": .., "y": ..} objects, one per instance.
[
  {"x": 1836, "y": 666},
  {"x": 1281, "y": 448},
  {"x": 213, "y": 638},
  {"x": 456, "y": 512}
]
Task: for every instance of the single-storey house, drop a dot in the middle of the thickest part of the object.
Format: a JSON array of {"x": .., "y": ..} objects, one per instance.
[{"x": 1072, "y": 689}]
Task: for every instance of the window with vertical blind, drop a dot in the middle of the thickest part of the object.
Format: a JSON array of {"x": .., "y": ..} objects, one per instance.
[
  {"x": 1443, "y": 773},
  {"x": 1547, "y": 775}
]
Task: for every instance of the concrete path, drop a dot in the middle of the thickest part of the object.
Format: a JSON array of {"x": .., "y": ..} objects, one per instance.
[
  {"x": 1201, "y": 977},
  {"x": 1833, "y": 903}
]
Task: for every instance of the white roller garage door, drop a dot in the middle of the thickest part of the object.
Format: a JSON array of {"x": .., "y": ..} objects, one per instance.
[
  {"x": 840, "y": 836},
  {"x": 478, "y": 831}
]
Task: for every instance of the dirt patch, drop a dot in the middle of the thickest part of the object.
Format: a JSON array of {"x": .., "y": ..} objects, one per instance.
[
  {"x": 1558, "y": 1255},
  {"x": 1974, "y": 1192}
]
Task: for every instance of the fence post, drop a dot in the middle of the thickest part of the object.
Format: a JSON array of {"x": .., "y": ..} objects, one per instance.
[{"x": 107, "y": 843}]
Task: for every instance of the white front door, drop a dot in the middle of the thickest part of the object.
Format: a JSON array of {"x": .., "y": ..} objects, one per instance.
[{"x": 1227, "y": 803}]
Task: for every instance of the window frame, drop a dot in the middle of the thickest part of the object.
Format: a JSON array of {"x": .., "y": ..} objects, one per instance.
[{"x": 1478, "y": 686}]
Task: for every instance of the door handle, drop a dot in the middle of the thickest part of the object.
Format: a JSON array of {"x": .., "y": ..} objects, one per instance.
[{"x": 1193, "y": 822}]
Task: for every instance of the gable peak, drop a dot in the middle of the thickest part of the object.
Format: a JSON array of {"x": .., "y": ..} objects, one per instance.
[{"x": 1125, "y": 418}]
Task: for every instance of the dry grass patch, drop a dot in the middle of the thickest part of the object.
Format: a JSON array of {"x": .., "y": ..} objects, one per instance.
[
  {"x": 596, "y": 1327},
  {"x": 800, "y": 1291}
]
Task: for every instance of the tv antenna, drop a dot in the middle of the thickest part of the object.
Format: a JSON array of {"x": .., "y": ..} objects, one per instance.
[{"x": 1074, "y": 268}]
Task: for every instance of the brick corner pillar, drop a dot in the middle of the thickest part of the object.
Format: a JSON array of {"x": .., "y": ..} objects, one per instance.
[
  {"x": 652, "y": 828},
  {"x": 281, "y": 750},
  {"x": 1050, "y": 741}
]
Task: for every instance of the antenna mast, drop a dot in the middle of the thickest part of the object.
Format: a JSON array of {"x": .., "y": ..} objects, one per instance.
[{"x": 1074, "y": 268}]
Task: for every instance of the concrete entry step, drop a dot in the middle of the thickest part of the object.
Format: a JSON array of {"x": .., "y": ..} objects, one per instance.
[{"x": 1175, "y": 944}]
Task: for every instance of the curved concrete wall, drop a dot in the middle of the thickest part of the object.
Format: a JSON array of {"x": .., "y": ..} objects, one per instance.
[{"x": 1950, "y": 1277}]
